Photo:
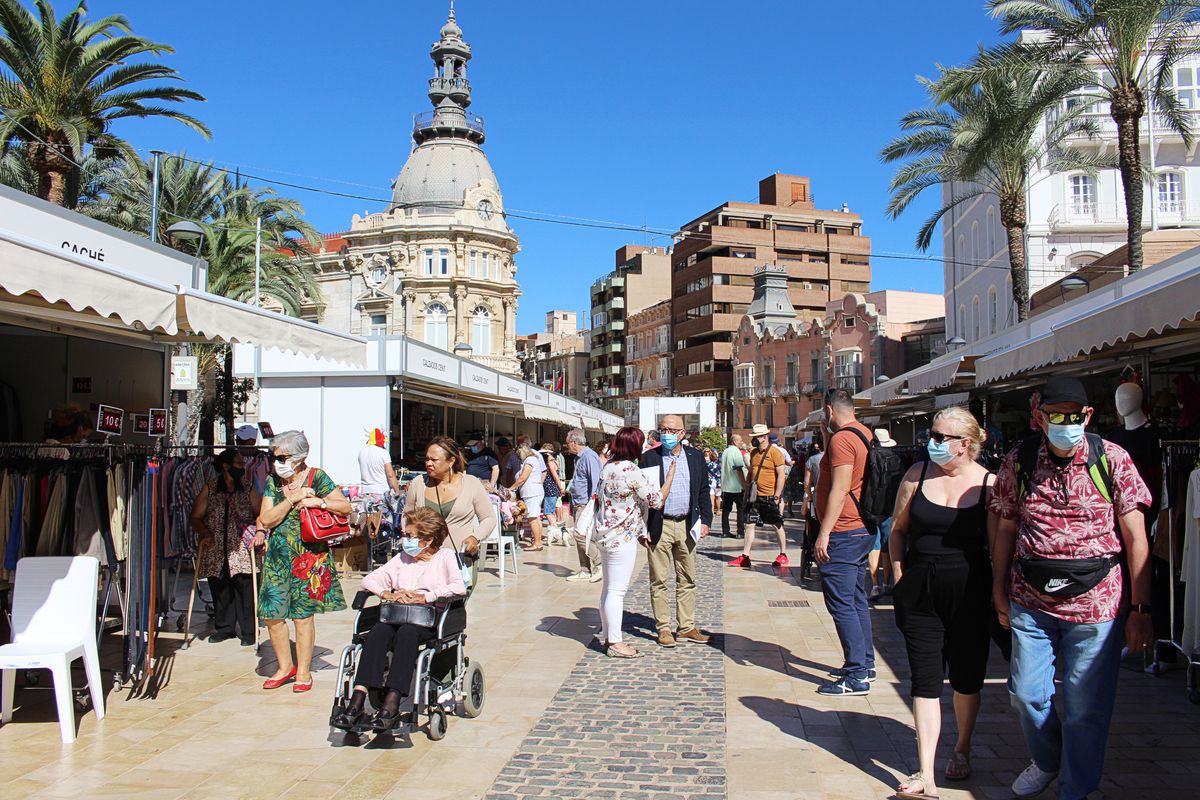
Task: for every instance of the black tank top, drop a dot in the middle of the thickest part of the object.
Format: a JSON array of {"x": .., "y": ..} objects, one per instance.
[{"x": 944, "y": 531}]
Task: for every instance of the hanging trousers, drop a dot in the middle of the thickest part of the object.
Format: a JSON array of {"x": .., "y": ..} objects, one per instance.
[
  {"x": 233, "y": 602},
  {"x": 403, "y": 641}
]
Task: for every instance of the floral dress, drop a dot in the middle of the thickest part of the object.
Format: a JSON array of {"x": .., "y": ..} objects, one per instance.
[
  {"x": 299, "y": 579},
  {"x": 625, "y": 495},
  {"x": 227, "y": 516}
]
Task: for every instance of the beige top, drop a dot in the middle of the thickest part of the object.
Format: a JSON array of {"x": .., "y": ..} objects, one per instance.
[{"x": 472, "y": 514}]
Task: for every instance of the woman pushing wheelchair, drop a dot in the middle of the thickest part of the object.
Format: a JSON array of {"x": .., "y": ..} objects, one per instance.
[{"x": 423, "y": 573}]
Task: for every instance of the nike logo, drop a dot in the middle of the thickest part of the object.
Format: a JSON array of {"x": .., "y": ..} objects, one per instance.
[{"x": 1057, "y": 584}]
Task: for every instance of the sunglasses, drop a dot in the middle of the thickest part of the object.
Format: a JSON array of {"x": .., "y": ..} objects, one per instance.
[
  {"x": 1067, "y": 418},
  {"x": 940, "y": 437}
]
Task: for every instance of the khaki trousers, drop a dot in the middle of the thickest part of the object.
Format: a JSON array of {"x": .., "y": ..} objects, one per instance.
[{"x": 675, "y": 546}]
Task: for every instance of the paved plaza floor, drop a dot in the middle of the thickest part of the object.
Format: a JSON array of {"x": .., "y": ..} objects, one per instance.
[{"x": 739, "y": 718}]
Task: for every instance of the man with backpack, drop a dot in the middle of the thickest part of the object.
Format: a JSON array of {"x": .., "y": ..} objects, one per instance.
[
  {"x": 1069, "y": 505},
  {"x": 850, "y": 499}
]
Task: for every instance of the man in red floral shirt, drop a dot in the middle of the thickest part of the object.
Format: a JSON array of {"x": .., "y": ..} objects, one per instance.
[{"x": 1058, "y": 585}]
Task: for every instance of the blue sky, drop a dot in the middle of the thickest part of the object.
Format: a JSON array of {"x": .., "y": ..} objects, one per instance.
[{"x": 647, "y": 113}]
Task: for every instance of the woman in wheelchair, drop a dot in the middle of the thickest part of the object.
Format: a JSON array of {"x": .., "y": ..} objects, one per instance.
[{"x": 423, "y": 573}]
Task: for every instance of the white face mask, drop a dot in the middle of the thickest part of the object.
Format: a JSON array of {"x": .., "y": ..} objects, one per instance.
[{"x": 285, "y": 469}]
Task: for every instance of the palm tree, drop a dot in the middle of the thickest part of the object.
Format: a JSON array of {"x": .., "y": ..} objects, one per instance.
[
  {"x": 63, "y": 83},
  {"x": 1135, "y": 43},
  {"x": 987, "y": 140}
]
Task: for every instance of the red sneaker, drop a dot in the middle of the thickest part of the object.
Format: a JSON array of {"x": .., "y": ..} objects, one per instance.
[
  {"x": 741, "y": 561},
  {"x": 781, "y": 562}
]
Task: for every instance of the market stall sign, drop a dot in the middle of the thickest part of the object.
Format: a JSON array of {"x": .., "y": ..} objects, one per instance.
[
  {"x": 158, "y": 422},
  {"x": 110, "y": 420},
  {"x": 184, "y": 373}
]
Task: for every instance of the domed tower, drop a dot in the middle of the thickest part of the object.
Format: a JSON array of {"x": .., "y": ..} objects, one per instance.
[{"x": 438, "y": 265}]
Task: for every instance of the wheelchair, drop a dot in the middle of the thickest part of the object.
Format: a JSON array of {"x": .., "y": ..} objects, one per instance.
[{"x": 444, "y": 679}]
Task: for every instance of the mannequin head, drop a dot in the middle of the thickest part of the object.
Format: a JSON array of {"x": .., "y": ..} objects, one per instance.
[{"x": 1128, "y": 400}]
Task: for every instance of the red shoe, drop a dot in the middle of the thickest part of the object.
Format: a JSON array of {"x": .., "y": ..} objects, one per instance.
[
  {"x": 781, "y": 562},
  {"x": 275, "y": 683},
  {"x": 741, "y": 561}
]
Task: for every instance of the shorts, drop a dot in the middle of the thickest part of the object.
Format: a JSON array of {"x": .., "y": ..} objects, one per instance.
[
  {"x": 883, "y": 535},
  {"x": 769, "y": 513},
  {"x": 550, "y": 505}
]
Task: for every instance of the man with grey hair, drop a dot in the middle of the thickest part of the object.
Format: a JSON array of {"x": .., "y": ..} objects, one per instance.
[{"x": 583, "y": 486}]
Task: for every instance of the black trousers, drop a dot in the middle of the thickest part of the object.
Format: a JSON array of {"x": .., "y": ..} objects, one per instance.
[
  {"x": 730, "y": 501},
  {"x": 402, "y": 641},
  {"x": 943, "y": 609},
  {"x": 233, "y": 603}
]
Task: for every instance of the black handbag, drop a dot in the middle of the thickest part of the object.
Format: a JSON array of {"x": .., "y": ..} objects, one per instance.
[{"x": 422, "y": 615}]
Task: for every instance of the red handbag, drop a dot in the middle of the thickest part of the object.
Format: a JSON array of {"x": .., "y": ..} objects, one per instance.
[{"x": 320, "y": 525}]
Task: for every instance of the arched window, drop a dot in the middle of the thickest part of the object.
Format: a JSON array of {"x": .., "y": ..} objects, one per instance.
[
  {"x": 1083, "y": 195},
  {"x": 435, "y": 326},
  {"x": 991, "y": 232},
  {"x": 976, "y": 260},
  {"x": 993, "y": 310},
  {"x": 975, "y": 320},
  {"x": 481, "y": 331}
]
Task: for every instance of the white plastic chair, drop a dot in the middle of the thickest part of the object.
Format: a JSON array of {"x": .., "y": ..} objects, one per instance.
[
  {"x": 501, "y": 541},
  {"x": 54, "y": 623}
]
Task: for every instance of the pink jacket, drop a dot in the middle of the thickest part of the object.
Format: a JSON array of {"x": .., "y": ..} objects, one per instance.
[{"x": 438, "y": 577}]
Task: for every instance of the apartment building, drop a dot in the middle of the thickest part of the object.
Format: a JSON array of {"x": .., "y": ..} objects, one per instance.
[
  {"x": 823, "y": 253},
  {"x": 647, "y": 357},
  {"x": 642, "y": 277},
  {"x": 557, "y": 358},
  {"x": 1074, "y": 218}
]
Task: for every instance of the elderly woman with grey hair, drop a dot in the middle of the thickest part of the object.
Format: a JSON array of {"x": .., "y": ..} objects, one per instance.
[{"x": 299, "y": 579}]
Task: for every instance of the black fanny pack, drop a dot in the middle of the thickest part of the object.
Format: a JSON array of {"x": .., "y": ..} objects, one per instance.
[{"x": 1065, "y": 577}]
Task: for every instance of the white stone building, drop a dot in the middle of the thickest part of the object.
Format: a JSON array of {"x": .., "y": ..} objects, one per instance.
[
  {"x": 1074, "y": 218},
  {"x": 438, "y": 265}
]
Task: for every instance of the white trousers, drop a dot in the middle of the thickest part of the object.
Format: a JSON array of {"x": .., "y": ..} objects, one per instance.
[{"x": 618, "y": 572}]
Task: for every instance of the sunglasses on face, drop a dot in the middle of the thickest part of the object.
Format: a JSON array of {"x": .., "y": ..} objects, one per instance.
[
  {"x": 940, "y": 437},
  {"x": 1065, "y": 418}
]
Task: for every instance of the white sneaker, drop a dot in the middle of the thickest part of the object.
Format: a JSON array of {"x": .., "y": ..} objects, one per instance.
[
  {"x": 579, "y": 577},
  {"x": 597, "y": 574},
  {"x": 1033, "y": 781}
]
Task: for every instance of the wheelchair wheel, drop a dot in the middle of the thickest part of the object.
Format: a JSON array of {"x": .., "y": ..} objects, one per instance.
[
  {"x": 473, "y": 688},
  {"x": 437, "y": 724}
]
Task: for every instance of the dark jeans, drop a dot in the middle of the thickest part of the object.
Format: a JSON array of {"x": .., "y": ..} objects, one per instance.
[
  {"x": 730, "y": 501},
  {"x": 233, "y": 602},
  {"x": 844, "y": 585},
  {"x": 403, "y": 641}
]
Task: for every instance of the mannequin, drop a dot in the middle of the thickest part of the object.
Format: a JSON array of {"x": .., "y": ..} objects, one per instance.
[{"x": 1129, "y": 406}]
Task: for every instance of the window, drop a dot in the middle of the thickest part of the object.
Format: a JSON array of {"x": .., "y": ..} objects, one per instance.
[
  {"x": 481, "y": 331},
  {"x": 435, "y": 325},
  {"x": 378, "y": 324},
  {"x": 991, "y": 232},
  {"x": 1083, "y": 195},
  {"x": 975, "y": 317},
  {"x": 444, "y": 261},
  {"x": 473, "y": 264},
  {"x": 428, "y": 262},
  {"x": 1170, "y": 193},
  {"x": 993, "y": 310}
]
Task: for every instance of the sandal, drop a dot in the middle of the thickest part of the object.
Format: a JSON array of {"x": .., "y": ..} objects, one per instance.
[
  {"x": 959, "y": 768},
  {"x": 612, "y": 652},
  {"x": 908, "y": 794}
]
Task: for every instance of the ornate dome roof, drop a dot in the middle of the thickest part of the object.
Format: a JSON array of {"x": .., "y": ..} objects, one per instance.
[{"x": 439, "y": 172}]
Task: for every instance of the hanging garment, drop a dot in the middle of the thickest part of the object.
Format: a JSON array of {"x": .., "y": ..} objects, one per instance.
[{"x": 1190, "y": 572}]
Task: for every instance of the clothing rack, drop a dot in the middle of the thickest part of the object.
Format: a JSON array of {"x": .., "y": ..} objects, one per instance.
[{"x": 1179, "y": 455}]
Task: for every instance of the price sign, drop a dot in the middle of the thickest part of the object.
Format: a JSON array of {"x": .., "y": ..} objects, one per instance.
[
  {"x": 110, "y": 420},
  {"x": 184, "y": 377},
  {"x": 158, "y": 422},
  {"x": 266, "y": 430},
  {"x": 141, "y": 424}
]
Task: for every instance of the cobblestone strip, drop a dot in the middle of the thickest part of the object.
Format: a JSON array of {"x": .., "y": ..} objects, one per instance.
[{"x": 650, "y": 728}]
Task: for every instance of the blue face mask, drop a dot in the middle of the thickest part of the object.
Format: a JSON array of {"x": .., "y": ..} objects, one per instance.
[
  {"x": 939, "y": 453},
  {"x": 670, "y": 440},
  {"x": 411, "y": 547},
  {"x": 1065, "y": 437}
]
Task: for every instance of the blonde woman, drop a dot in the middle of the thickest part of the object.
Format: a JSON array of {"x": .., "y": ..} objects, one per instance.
[
  {"x": 529, "y": 484},
  {"x": 939, "y": 552}
]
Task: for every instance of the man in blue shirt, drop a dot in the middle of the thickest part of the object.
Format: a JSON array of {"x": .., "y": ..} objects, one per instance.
[
  {"x": 582, "y": 487},
  {"x": 688, "y": 507}
]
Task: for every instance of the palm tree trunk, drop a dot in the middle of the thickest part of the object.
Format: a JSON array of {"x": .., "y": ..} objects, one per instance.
[
  {"x": 1127, "y": 110},
  {"x": 1012, "y": 217}
]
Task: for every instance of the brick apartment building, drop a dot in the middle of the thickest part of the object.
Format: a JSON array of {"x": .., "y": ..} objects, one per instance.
[
  {"x": 647, "y": 356},
  {"x": 823, "y": 254},
  {"x": 782, "y": 364},
  {"x": 642, "y": 278}
]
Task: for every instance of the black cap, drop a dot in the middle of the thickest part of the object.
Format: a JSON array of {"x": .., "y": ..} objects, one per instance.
[{"x": 1064, "y": 389}]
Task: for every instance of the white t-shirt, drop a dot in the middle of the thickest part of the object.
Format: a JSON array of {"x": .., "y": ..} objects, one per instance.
[{"x": 372, "y": 463}]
